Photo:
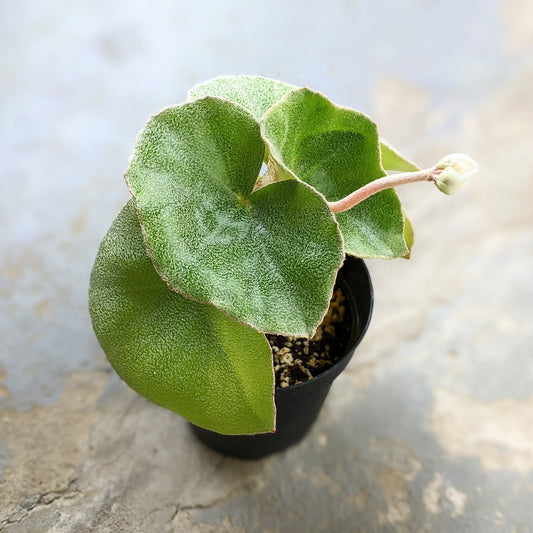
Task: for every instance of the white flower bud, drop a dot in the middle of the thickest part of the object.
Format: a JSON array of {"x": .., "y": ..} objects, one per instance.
[{"x": 453, "y": 172}]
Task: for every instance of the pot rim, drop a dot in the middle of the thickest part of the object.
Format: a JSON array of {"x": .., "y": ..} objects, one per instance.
[{"x": 362, "y": 328}]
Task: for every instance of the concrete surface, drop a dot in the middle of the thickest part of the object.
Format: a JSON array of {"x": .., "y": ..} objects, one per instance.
[{"x": 431, "y": 426}]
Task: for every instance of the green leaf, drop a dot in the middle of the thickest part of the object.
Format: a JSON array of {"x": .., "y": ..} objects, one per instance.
[
  {"x": 255, "y": 93},
  {"x": 391, "y": 159},
  {"x": 182, "y": 355},
  {"x": 336, "y": 150},
  {"x": 409, "y": 235},
  {"x": 268, "y": 258}
]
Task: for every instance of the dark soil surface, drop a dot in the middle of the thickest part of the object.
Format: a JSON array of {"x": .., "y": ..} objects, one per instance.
[{"x": 299, "y": 359}]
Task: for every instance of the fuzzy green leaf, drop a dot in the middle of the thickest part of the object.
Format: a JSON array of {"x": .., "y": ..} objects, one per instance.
[
  {"x": 391, "y": 159},
  {"x": 259, "y": 94},
  {"x": 268, "y": 258},
  {"x": 221, "y": 378},
  {"x": 336, "y": 150},
  {"x": 255, "y": 93}
]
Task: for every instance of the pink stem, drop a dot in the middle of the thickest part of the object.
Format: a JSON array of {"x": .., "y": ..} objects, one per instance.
[{"x": 381, "y": 184}]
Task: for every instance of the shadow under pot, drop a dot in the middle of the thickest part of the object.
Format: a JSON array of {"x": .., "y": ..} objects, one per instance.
[{"x": 298, "y": 405}]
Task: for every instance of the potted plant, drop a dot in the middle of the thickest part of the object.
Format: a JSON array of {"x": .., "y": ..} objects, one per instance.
[{"x": 213, "y": 268}]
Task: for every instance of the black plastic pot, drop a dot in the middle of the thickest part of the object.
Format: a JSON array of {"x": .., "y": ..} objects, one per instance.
[{"x": 298, "y": 406}]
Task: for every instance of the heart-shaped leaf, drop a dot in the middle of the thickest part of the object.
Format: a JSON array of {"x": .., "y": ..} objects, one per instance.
[
  {"x": 221, "y": 379},
  {"x": 255, "y": 93},
  {"x": 336, "y": 150},
  {"x": 267, "y": 257},
  {"x": 259, "y": 94}
]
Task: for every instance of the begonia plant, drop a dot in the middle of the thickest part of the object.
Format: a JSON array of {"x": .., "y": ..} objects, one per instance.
[{"x": 211, "y": 253}]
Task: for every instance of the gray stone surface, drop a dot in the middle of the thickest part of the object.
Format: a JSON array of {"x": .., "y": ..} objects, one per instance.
[{"x": 431, "y": 426}]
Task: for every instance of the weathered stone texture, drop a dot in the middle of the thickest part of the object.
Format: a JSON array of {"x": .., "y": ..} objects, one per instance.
[{"x": 430, "y": 427}]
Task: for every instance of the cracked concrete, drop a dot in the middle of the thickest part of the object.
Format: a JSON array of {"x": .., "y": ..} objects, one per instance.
[
  {"x": 430, "y": 427},
  {"x": 500, "y": 433}
]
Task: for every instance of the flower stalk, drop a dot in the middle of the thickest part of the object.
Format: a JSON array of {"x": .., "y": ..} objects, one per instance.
[{"x": 450, "y": 174}]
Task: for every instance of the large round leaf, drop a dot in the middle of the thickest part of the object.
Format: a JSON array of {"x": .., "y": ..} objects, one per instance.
[
  {"x": 268, "y": 258},
  {"x": 255, "y": 93},
  {"x": 182, "y": 355},
  {"x": 259, "y": 94},
  {"x": 337, "y": 151}
]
